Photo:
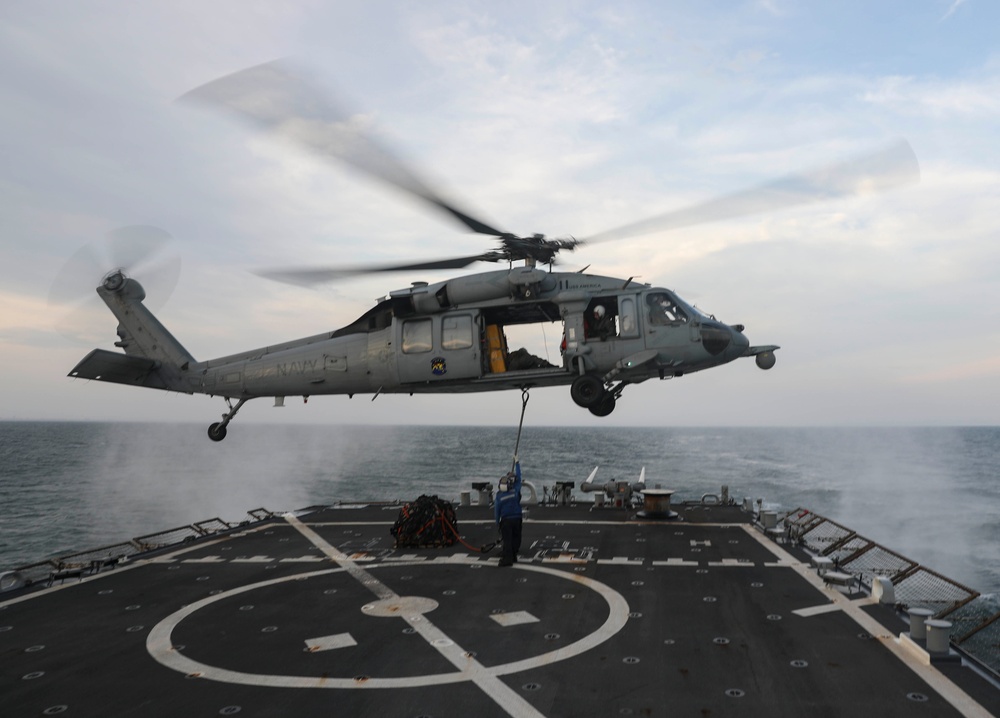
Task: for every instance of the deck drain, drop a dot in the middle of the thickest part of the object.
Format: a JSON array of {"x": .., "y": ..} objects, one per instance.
[
  {"x": 33, "y": 675},
  {"x": 196, "y": 674},
  {"x": 531, "y": 686},
  {"x": 55, "y": 710},
  {"x": 34, "y": 649},
  {"x": 522, "y": 580},
  {"x": 202, "y": 578},
  {"x": 669, "y": 641},
  {"x": 756, "y": 584},
  {"x": 403, "y": 578},
  {"x": 735, "y": 692},
  {"x": 865, "y": 636},
  {"x": 248, "y": 607},
  {"x": 631, "y": 660},
  {"x": 710, "y": 599},
  {"x": 799, "y": 664},
  {"x": 106, "y": 591},
  {"x": 230, "y": 710},
  {"x": 133, "y": 607},
  {"x": 551, "y": 636},
  {"x": 329, "y": 591},
  {"x": 773, "y": 617},
  {"x": 569, "y": 596},
  {"x": 721, "y": 641},
  {"x": 701, "y": 570},
  {"x": 449, "y": 592},
  {"x": 638, "y": 583},
  {"x": 134, "y": 629},
  {"x": 269, "y": 629},
  {"x": 409, "y": 630},
  {"x": 635, "y": 614},
  {"x": 917, "y": 697},
  {"x": 469, "y": 654}
]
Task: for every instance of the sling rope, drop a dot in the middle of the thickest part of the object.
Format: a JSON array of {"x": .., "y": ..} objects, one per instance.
[{"x": 524, "y": 405}]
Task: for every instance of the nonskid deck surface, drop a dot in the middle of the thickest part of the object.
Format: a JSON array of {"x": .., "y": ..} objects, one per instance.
[{"x": 320, "y": 615}]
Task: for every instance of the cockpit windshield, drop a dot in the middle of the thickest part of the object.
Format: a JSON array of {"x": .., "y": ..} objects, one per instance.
[{"x": 665, "y": 309}]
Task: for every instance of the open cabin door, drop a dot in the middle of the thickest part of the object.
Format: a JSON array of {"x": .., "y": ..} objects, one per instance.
[{"x": 440, "y": 347}]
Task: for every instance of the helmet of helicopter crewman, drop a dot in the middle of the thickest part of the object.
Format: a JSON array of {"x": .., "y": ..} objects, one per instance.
[
  {"x": 599, "y": 311},
  {"x": 506, "y": 481}
]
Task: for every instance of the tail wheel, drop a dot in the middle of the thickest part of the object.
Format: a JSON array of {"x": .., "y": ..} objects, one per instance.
[
  {"x": 587, "y": 390},
  {"x": 217, "y": 431},
  {"x": 605, "y": 406}
]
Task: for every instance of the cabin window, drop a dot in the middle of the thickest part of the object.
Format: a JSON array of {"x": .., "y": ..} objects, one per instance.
[
  {"x": 417, "y": 336},
  {"x": 456, "y": 332},
  {"x": 627, "y": 317}
]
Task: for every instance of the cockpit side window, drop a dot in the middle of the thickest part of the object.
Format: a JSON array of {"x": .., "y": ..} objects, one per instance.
[{"x": 663, "y": 310}]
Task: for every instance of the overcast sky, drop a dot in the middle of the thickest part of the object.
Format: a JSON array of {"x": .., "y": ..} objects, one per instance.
[{"x": 566, "y": 118}]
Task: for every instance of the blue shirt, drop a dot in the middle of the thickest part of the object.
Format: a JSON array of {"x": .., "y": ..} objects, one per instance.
[{"x": 508, "y": 503}]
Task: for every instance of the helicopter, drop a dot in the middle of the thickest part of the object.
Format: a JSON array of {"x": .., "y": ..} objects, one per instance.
[{"x": 449, "y": 336}]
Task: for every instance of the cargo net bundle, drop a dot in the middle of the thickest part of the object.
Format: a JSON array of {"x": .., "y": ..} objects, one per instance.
[{"x": 426, "y": 522}]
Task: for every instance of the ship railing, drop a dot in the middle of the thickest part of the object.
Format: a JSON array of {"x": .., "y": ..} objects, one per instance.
[
  {"x": 84, "y": 563},
  {"x": 975, "y": 619}
]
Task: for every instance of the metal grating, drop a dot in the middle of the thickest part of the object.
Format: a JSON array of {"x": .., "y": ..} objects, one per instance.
[
  {"x": 115, "y": 551},
  {"x": 211, "y": 526},
  {"x": 94, "y": 560},
  {"x": 167, "y": 538},
  {"x": 975, "y": 620},
  {"x": 923, "y": 587},
  {"x": 877, "y": 560}
]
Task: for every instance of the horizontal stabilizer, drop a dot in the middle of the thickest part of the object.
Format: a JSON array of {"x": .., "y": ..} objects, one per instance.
[{"x": 116, "y": 368}]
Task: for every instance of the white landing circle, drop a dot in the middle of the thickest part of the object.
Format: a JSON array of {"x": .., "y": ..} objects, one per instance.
[{"x": 409, "y": 608}]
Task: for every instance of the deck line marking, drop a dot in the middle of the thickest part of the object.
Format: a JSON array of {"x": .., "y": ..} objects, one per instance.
[
  {"x": 513, "y": 703},
  {"x": 959, "y": 699}
]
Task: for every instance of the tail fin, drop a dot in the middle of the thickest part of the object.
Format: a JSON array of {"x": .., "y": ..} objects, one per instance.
[{"x": 153, "y": 357}]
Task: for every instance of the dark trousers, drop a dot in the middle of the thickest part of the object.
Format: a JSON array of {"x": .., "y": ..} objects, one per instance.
[{"x": 510, "y": 533}]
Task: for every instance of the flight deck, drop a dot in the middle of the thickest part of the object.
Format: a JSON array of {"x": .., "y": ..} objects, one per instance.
[{"x": 711, "y": 612}]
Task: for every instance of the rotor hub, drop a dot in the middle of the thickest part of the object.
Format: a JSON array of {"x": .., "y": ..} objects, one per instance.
[{"x": 114, "y": 281}]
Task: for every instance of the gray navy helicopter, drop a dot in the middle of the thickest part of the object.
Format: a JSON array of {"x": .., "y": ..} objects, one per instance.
[{"x": 449, "y": 336}]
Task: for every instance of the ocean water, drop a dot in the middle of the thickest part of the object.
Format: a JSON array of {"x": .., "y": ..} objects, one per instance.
[{"x": 929, "y": 493}]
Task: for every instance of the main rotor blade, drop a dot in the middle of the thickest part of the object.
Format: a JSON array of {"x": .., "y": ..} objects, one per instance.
[
  {"x": 894, "y": 166},
  {"x": 273, "y": 97},
  {"x": 308, "y": 277}
]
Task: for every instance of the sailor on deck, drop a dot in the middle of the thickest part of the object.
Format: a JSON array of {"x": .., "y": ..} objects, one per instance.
[{"x": 507, "y": 512}]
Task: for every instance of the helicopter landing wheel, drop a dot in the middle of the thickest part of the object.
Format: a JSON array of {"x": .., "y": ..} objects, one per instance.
[
  {"x": 603, "y": 407},
  {"x": 217, "y": 431},
  {"x": 587, "y": 390}
]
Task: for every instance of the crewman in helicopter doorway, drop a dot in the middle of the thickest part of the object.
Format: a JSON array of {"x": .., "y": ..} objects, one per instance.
[{"x": 507, "y": 512}]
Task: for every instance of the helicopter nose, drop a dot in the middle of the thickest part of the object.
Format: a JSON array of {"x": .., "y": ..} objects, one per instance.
[
  {"x": 740, "y": 341},
  {"x": 715, "y": 337}
]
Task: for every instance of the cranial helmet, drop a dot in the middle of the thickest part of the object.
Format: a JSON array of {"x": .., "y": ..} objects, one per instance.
[
  {"x": 599, "y": 311},
  {"x": 505, "y": 481}
]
